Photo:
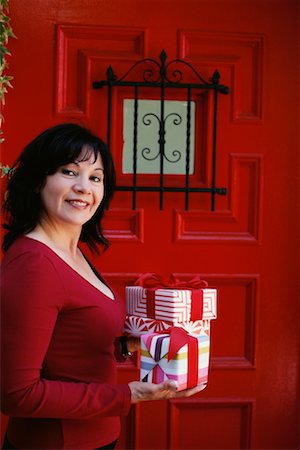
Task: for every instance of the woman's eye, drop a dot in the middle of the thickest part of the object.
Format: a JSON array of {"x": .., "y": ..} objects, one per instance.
[
  {"x": 68, "y": 172},
  {"x": 96, "y": 179}
]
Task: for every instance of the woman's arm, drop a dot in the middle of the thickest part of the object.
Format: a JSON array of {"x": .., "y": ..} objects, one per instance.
[
  {"x": 125, "y": 346},
  {"x": 32, "y": 296}
]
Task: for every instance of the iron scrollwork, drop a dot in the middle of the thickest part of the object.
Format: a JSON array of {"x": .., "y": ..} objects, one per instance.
[
  {"x": 147, "y": 120},
  {"x": 163, "y": 75}
]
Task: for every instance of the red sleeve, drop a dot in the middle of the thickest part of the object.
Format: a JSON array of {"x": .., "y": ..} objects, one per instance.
[
  {"x": 118, "y": 351},
  {"x": 31, "y": 297}
]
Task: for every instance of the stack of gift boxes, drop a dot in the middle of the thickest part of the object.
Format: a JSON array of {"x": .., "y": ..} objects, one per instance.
[{"x": 172, "y": 318}]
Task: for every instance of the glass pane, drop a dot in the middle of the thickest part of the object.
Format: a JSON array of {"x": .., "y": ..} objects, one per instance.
[{"x": 148, "y": 159}]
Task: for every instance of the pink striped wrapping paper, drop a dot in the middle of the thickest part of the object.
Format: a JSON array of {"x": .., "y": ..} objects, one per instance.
[
  {"x": 136, "y": 326},
  {"x": 171, "y": 305},
  {"x": 156, "y": 368}
]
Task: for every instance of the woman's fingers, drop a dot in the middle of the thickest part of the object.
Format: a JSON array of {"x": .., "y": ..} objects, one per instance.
[
  {"x": 168, "y": 385},
  {"x": 192, "y": 391},
  {"x": 141, "y": 391}
]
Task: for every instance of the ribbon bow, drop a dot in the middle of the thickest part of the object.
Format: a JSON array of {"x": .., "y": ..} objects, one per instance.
[
  {"x": 178, "y": 338},
  {"x": 152, "y": 281}
]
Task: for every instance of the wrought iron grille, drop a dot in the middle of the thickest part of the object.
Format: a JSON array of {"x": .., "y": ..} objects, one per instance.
[{"x": 163, "y": 76}]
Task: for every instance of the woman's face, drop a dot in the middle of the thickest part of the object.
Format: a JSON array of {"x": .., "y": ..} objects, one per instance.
[{"x": 73, "y": 193}]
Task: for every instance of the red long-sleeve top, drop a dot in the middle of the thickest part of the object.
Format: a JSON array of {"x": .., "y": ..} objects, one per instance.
[{"x": 58, "y": 366}]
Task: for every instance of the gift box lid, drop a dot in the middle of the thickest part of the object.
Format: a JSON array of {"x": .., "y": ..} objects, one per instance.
[{"x": 170, "y": 304}]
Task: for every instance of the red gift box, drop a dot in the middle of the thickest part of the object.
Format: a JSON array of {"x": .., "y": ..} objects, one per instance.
[{"x": 171, "y": 300}]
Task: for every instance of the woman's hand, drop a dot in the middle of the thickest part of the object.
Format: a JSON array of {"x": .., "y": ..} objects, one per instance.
[
  {"x": 133, "y": 344},
  {"x": 141, "y": 391}
]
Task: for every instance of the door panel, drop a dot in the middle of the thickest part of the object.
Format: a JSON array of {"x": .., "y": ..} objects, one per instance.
[{"x": 246, "y": 247}]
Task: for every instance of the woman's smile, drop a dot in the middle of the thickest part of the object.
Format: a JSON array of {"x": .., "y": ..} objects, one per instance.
[
  {"x": 78, "y": 203},
  {"x": 74, "y": 192}
]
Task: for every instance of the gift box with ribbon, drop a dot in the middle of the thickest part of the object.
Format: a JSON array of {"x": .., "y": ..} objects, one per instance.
[
  {"x": 136, "y": 326},
  {"x": 175, "y": 355},
  {"x": 171, "y": 300}
]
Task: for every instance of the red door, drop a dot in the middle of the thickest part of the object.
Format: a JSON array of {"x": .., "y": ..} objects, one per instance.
[{"x": 246, "y": 247}]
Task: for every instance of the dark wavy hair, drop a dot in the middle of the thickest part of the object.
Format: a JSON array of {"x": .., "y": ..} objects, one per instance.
[{"x": 55, "y": 147}]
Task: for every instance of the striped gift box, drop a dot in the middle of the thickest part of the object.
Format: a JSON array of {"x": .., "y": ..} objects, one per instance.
[
  {"x": 170, "y": 305},
  {"x": 156, "y": 368},
  {"x": 136, "y": 326}
]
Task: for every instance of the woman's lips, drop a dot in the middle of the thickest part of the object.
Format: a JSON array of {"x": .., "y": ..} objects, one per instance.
[{"x": 78, "y": 203}]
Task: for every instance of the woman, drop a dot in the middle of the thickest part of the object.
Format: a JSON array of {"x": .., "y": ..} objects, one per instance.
[{"x": 60, "y": 319}]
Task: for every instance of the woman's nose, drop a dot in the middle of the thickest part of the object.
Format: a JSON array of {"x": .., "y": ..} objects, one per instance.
[{"x": 82, "y": 185}]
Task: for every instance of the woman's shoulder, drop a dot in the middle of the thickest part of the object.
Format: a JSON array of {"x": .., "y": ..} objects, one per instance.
[
  {"x": 26, "y": 248},
  {"x": 29, "y": 267}
]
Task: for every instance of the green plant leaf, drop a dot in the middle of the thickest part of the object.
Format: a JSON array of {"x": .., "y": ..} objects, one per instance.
[
  {"x": 5, "y": 4},
  {"x": 4, "y": 170},
  {"x": 6, "y": 32}
]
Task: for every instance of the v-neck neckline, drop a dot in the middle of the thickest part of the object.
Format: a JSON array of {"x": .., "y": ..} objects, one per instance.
[{"x": 113, "y": 298}]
